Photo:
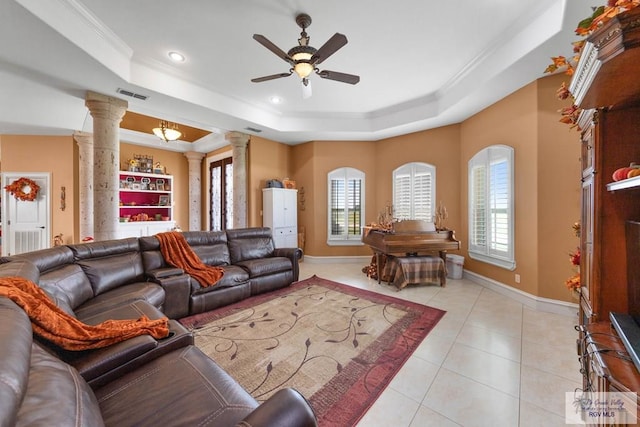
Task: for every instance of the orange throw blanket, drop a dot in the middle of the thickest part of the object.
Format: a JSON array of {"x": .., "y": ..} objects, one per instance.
[
  {"x": 52, "y": 323},
  {"x": 177, "y": 252}
]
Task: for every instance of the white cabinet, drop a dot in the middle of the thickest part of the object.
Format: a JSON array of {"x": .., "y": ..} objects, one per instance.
[{"x": 280, "y": 213}]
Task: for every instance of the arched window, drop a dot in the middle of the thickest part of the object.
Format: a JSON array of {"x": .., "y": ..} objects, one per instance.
[
  {"x": 414, "y": 191},
  {"x": 491, "y": 200},
  {"x": 346, "y": 206}
]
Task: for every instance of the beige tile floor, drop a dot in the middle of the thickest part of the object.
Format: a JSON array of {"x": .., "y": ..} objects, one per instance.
[{"x": 490, "y": 361}]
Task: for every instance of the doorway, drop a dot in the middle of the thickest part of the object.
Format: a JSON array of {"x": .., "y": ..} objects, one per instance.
[
  {"x": 221, "y": 194},
  {"x": 25, "y": 223}
]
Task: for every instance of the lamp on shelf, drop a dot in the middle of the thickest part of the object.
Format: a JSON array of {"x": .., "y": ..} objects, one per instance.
[{"x": 167, "y": 131}]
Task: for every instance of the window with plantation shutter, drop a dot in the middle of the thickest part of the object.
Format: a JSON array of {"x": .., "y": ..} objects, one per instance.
[
  {"x": 414, "y": 191},
  {"x": 491, "y": 222},
  {"x": 346, "y": 206}
]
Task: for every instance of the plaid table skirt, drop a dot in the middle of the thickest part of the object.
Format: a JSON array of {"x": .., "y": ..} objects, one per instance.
[{"x": 415, "y": 269}]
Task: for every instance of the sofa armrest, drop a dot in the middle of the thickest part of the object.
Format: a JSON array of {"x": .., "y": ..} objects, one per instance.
[
  {"x": 285, "y": 408},
  {"x": 294, "y": 254},
  {"x": 161, "y": 273},
  {"x": 94, "y": 363},
  {"x": 177, "y": 289}
]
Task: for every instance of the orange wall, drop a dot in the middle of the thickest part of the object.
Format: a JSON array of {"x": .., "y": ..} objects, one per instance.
[
  {"x": 546, "y": 169},
  {"x": 546, "y": 185},
  {"x": 312, "y": 162},
  {"x": 513, "y": 122},
  {"x": 176, "y": 164},
  {"x": 559, "y": 191},
  {"x": 52, "y": 154},
  {"x": 266, "y": 160},
  {"x": 439, "y": 147}
]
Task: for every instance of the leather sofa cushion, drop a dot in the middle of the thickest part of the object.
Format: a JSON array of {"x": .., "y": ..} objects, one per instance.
[
  {"x": 184, "y": 387},
  {"x": 68, "y": 286},
  {"x": 265, "y": 266},
  {"x": 249, "y": 243},
  {"x": 122, "y": 296},
  {"x": 233, "y": 276},
  {"x": 113, "y": 271},
  {"x": 22, "y": 268},
  {"x": 210, "y": 246},
  {"x": 57, "y": 395},
  {"x": 48, "y": 259},
  {"x": 15, "y": 356},
  {"x": 104, "y": 248}
]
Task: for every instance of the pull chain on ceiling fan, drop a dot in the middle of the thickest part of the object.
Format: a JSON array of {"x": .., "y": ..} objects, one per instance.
[{"x": 305, "y": 58}]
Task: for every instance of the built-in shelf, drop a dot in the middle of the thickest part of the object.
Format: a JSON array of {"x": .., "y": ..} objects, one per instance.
[
  {"x": 625, "y": 184},
  {"x": 146, "y": 204}
]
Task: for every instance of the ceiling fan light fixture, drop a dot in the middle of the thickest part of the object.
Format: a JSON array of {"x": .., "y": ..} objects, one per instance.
[
  {"x": 304, "y": 59},
  {"x": 301, "y": 56},
  {"x": 303, "y": 69},
  {"x": 167, "y": 131}
]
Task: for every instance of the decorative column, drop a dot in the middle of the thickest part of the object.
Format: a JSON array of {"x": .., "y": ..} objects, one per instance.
[
  {"x": 195, "y": 190},
  {"x": 239, "y": 142},
  {"x": 107, "y": 113},
  {"x": 85, "y": 184}
]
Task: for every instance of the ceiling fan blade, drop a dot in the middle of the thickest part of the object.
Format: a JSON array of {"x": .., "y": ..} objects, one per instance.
[
  {"x": 340, "y": 77},
  {"x": 272, "y": 47},
  {"x": 271, "y": 77},
  {"x": 329, "y": 48}
]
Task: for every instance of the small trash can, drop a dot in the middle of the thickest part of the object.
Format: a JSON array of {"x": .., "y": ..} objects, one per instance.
[{"x": 454, "y": 266}]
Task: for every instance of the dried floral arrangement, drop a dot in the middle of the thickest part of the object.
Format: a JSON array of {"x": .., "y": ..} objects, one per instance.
[{"x": 600, "y": 15}]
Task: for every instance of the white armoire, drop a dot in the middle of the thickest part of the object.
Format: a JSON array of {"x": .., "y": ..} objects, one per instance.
[{"x": 280, "y": 213}]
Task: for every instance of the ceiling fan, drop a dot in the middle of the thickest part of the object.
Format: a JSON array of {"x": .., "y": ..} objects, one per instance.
[{"x": 304, "y": 58}]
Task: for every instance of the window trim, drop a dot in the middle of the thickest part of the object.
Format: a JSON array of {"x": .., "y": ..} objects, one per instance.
[
  {"x": 485, "y": 158},
  {"x": 413, "y": 166},
  {"x": 346, "y": 173}
]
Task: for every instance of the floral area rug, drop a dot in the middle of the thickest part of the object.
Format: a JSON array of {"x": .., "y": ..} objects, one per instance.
[{"x": 338, "y": 345}]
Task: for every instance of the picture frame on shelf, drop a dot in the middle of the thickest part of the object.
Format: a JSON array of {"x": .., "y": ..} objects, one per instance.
[
  {"x": 144, "y": 183},
  {"x": 160, "y": 184},
  {"x": 163, "y": 200}
]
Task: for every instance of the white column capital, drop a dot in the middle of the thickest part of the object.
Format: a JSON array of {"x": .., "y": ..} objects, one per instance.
[
  {"x": 105, "y": 107},
  {"x": 194, "y": 156},
  {"x": 83, "y": 138},
  {"x": 237, "y": 139}
]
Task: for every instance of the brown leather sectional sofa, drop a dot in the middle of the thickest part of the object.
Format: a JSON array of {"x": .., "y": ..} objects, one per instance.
[{"x": 140, "y": 381}]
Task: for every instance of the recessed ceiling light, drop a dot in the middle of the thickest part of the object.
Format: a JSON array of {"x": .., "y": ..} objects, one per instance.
[
  {"x": 176, "y": 56},
  {"x": 275, "y": 100}
]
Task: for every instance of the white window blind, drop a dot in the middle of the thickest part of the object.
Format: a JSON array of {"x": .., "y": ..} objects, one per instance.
[
  {"x": 346, "y": 205},
  {"x": 491, "y": 222},
  {"x": 414, "y": 191}
]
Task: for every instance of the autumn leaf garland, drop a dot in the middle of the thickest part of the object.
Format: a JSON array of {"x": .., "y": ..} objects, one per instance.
[{"x": 600, "y": 15}]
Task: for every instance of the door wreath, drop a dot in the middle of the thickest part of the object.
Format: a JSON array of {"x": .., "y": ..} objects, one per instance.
[{"x": 17, "y": 189}]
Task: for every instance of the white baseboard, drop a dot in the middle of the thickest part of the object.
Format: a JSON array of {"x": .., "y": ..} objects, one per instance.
[
  {"x": 537, "y": 303},
  {"x": 365, "y": 260},
  {"x": 534, "y": 302}
]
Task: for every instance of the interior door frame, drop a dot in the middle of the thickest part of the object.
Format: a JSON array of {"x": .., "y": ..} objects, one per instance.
[
  {"x": 6, "y": 178},
  {"x": 209, "y": 160}
]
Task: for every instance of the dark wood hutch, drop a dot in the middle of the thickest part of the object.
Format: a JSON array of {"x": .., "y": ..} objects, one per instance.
[{"x": 606, "y": 86}]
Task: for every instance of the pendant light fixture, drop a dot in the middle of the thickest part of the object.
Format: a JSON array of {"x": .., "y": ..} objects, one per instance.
[{"x": 167, "y": 131}]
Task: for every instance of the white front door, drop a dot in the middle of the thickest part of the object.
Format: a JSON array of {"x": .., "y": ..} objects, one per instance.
[{"x": 25, "y": 223}]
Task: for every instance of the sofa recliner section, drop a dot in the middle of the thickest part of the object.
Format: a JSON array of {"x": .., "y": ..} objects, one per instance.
[
  {"x": 182, "y": 387},
  {"x": 143, "y": 380}
]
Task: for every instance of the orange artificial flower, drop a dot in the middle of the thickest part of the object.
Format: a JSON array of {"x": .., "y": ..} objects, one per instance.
[{"x": 573, "y": 283}]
